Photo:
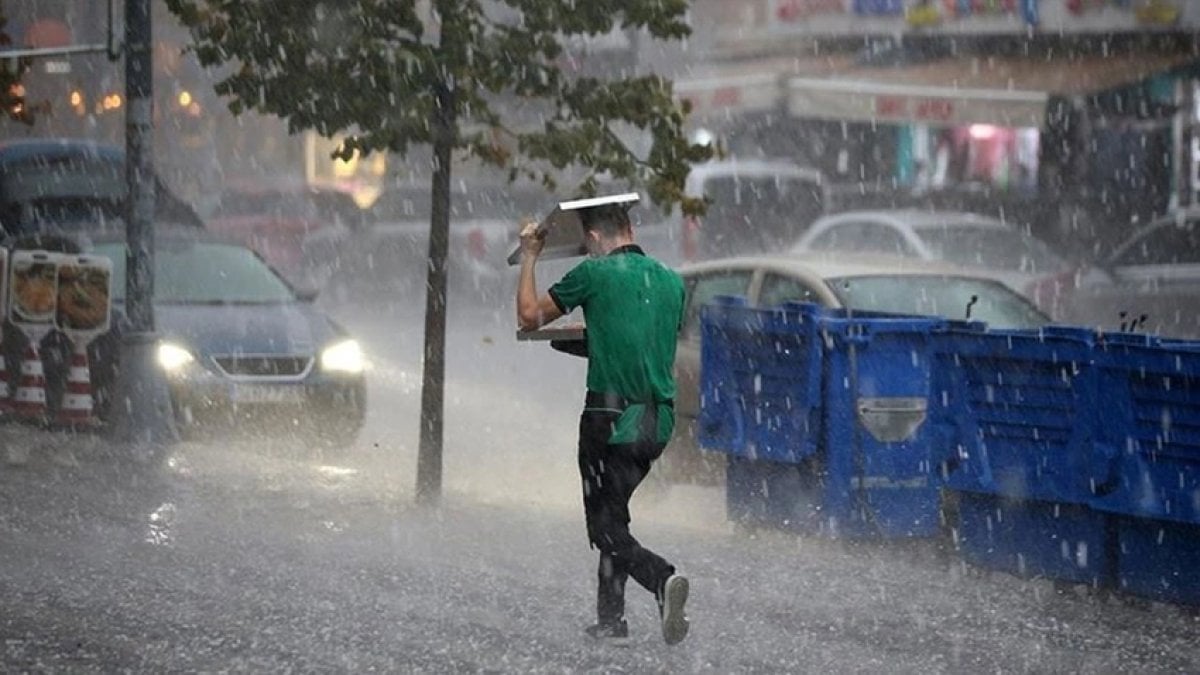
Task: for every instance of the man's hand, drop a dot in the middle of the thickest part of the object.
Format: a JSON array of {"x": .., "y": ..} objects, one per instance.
[
  {"x": 532, "y": 241},
  {"x": 533, "y": 312}
]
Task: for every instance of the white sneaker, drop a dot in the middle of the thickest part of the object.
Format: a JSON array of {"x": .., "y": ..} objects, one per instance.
[{"x": 674, "y": 619}]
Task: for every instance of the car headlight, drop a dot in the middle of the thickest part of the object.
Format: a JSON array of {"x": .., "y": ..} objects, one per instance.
[
  {"x": 344, "y": 357},
  {"x": 173, "y": 358}
]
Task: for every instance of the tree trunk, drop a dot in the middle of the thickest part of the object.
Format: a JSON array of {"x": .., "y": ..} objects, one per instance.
[
  {"x": 433, "y": 382},
  {"x": 139, "y": 136}
]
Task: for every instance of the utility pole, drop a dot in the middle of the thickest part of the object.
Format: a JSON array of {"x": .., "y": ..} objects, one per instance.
[
  {"x": 1184, "y": 133},
  {"x": 141, "y": 408}
]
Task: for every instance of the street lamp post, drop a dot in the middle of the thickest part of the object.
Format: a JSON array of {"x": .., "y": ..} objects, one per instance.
[{"x": 141, "y": 408}]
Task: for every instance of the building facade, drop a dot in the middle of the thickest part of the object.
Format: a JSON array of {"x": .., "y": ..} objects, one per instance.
[{"x": 1074, "y": 116}]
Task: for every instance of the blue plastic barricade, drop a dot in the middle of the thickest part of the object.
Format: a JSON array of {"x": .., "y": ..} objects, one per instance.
[
  {"x": 1148, "y": 431},
  {"x": 824, "y": 416},
  {"x": 761, "y": 381},
  {"x": 880, "y": 466},
  {"x": 1020, "y": 402},
  {"x": 1148, "y": 427},
  {"x": 1022, "y": 406},
  {"x": 1035, "y": 539}
]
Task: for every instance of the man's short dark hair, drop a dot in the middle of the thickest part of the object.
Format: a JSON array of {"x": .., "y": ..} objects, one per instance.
[{"x": 609, "y": 220}]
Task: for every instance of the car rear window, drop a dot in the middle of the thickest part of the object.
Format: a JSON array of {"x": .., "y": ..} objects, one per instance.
[
  {"x": 990, "y": 247},
  {"x": 204, "y": 274},
  {"x": 935, "y": 295},
  {"x": 1166, "y": 244}
]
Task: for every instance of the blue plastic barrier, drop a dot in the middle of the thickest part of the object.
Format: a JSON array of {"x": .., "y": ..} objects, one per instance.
[
  {"x": 880, "y": 460},
  {"x": 1159, "y": 559},
  {"x": 1035, "y": 539},
  {"x": 773, "y": 494},
  {"x": 1020, "y": 403},
  {"x": 1148, "y": 428},
  {"x": 761, "y": 381},
  {"x": 1071, "y": 454},
  {"x": 1148, "y": 435},
  {"x": 824, "y": 417}
]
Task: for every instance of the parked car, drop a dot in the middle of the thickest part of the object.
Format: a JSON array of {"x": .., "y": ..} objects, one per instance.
[
  {"x": 755, "y": 206},
  {"x": 239, "y": 345},
  {"x": 992, "y": 247},
  {"x": 389, "y": 257},
  {"x": 1155, "y": 284},
  {"x": 859, "y": 282},
  {"x": 66, "y": 184},
  {"x": 298, "y": 228}
]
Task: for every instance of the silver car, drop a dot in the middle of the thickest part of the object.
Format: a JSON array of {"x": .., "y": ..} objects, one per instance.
[
  {"x": 1156, "y": 282},
  {"x": 991, "y": 247}
]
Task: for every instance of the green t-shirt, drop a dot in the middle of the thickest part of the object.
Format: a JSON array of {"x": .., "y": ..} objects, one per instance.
[{"x": 633, "y": 306}]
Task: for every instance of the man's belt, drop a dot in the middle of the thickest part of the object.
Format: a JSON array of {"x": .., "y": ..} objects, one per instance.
[{"x": 595, "y": 399}]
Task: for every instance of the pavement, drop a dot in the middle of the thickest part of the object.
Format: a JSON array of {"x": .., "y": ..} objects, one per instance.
[{"x": 251, "y": 558}]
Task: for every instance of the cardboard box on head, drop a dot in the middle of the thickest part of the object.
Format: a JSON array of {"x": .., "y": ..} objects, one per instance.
[{"x": 563, "y": 227}]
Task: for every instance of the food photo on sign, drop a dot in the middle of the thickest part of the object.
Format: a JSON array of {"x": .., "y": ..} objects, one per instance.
[
  {"x": 34, "y": 287},
  {"x": 84, "y": 295}
]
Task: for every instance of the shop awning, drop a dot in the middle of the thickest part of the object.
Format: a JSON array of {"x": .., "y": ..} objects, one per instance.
[
  {"x": 747, "y": 87},
  {"x": 1011, "y": 92}
]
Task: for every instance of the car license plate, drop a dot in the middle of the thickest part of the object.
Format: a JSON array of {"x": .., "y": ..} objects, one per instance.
[{"x": 266, "y": 393}]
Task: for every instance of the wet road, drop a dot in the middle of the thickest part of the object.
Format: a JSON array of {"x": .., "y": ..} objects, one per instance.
[{"x": 264, "y": 557}]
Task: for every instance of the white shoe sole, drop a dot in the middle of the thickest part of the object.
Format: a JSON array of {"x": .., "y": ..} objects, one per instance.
[{"x": 674, "y": 620}]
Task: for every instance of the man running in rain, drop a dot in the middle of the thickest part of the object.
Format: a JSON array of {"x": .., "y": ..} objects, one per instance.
[{"x": 632, "y": 307}]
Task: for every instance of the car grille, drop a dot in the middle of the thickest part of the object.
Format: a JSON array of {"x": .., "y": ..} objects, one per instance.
[{"x": 264, "y": 366}]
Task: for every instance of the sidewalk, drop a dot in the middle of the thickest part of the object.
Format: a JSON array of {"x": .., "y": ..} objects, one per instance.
[{"x": 251, "y": 562}]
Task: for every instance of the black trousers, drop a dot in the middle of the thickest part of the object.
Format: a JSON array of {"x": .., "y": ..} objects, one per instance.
[{"x": 610, "y": 475}]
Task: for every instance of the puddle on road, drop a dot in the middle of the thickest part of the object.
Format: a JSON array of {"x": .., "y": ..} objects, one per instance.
[{"x": 160, "y": 528}]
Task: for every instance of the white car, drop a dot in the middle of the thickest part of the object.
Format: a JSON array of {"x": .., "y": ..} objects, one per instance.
[
  {"x": 754, "y": 206},
  {"x": 861, "y": 282},
  {"x": 991, "y": 247},
  {"x": 1156, "y": 282}
]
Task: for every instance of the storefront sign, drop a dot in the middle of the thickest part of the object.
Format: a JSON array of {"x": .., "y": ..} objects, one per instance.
[
  {"x": 1155, "y": 12},
  {"x": 733, "y": 94},
  {"x": 867, "y": 101},
  {"x": 961, "y": 8},
  {"x": 799, "y": 10},
  {"x": 914, "y": 108},
  {"x": 738, "y": 27},
  {"x": 919, "y": 13},
  {"x": 967, "y": 9},
  {"x": 879, "y": 7}
]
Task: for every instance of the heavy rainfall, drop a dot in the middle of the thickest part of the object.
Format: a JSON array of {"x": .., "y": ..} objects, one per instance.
[{"x": 936, "y": 371}]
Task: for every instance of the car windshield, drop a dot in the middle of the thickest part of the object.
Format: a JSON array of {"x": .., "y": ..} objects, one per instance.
[
  {"x": 936, "y": 295},
  {"x": 200, "y": 273},
  {"x": 1169, "y": 243},
  {"x": 68, "y": 177},
  {"x": 991, "y": 247}
]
